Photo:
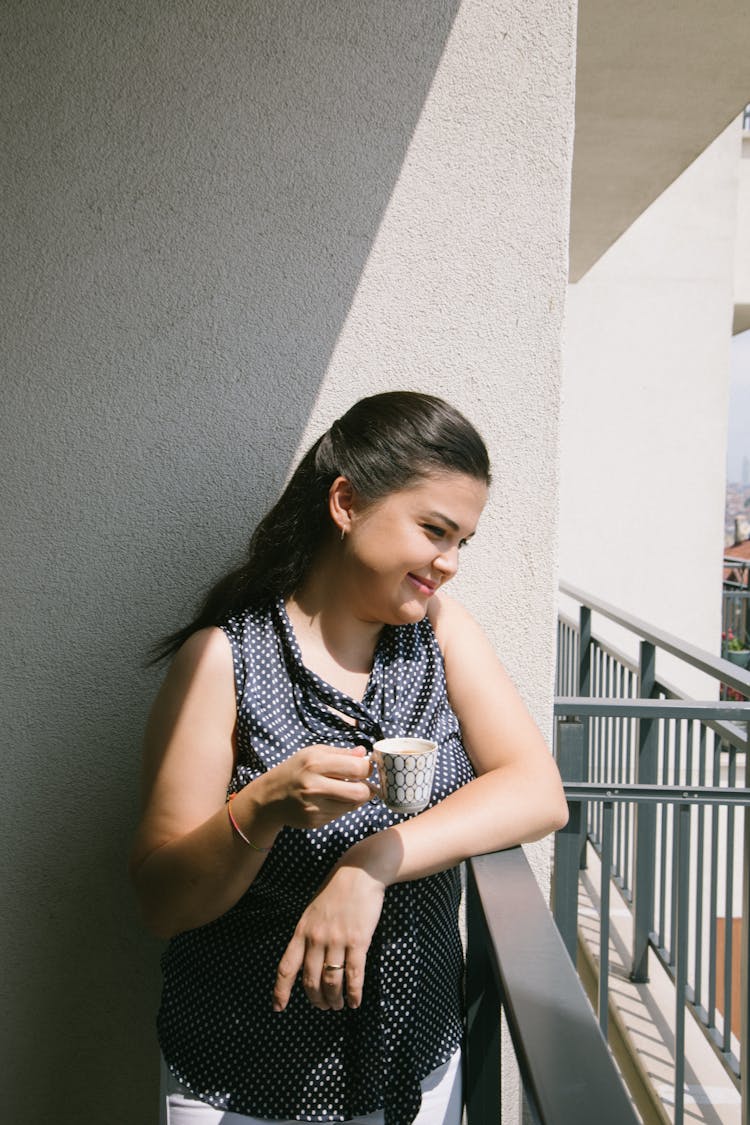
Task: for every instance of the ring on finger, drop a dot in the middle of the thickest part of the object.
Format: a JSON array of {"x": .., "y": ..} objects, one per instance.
[{"x": 334, "y": 968}]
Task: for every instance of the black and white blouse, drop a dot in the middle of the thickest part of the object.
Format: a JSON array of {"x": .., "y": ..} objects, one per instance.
[{"x": 217, "y": 1030}]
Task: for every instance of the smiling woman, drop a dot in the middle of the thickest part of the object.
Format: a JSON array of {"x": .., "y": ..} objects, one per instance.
[
  {"x": 402, "y": 545},
  {"x": 314, "y": 971}
]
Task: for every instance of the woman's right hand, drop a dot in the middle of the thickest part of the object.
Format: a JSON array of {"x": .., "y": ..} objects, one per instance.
[{"x": 313, "y": 786}]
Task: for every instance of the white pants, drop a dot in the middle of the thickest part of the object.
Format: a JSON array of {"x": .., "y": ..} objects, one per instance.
[{"x": 441, "y": 1103}]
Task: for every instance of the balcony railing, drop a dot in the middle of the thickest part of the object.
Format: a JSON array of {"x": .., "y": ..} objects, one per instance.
[
  {"x": 735, "y": 616},
  {"x": 657, "y": 785},
  {"x": 517, "y": 961}
]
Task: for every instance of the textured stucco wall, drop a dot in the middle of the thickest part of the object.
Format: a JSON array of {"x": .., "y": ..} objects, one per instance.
[
  {"x": 645, "y": 396},
  {"x": 220, "y": 224}
]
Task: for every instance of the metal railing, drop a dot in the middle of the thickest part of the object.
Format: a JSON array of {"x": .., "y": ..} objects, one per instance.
[
  {"x": 657, "y": 784},
  {"x": 688, "y": 947},
  {"x": 517, "y": 961},
  {"x": 734, "y": 615}
]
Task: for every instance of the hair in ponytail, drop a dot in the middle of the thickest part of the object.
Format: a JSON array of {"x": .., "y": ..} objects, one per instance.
[{"x": 382, "y": 444}]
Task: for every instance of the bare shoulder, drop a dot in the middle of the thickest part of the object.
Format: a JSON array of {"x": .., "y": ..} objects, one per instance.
[
  {"x": 496, "y": 726},
  {"x": 441, "y": 610},
  {"x": 188, "y": 751},
  {"x": 454, "y": 626},
  {"x": 206, "y": 653},
  {"x": 200, "y": 675},
  {"x": 190, "y": 729}
]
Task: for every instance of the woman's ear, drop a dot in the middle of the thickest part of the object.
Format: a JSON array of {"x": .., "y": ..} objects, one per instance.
[{"x": 341, "y": 500}]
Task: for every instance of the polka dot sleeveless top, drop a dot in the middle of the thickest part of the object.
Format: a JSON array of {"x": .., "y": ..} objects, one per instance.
[{"x": 217, "y": 1030}]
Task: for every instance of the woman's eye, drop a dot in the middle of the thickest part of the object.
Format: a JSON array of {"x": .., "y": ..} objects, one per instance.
[
  {"x": 439, "y": 532},
  {"x": 462, "y": 543}
]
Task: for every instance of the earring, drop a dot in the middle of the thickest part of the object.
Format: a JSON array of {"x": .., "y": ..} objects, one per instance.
[{"x": 343, "y": 533}]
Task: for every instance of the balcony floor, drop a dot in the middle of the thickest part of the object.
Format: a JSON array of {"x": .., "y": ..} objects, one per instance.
[{"x": 643, "y": 1017}]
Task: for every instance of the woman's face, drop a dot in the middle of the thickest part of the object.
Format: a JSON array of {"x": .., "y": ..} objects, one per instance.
[{"x": 400, "y": 550}]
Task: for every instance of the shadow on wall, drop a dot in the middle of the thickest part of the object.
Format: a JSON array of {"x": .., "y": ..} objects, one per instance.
[{"x": 191, "y": 195}]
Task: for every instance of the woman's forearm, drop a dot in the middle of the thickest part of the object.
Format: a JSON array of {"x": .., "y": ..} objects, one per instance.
[
  {"x": 502, "y": 808},
  {"x": 188, "y": 877},
  {"x": 192, "y": 880}
]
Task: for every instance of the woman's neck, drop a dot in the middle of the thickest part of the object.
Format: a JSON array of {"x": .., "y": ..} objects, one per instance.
[{"x": 328, "y": 629}]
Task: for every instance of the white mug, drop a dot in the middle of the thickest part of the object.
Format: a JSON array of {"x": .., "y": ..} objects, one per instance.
[{"x": 406, "y": 767}]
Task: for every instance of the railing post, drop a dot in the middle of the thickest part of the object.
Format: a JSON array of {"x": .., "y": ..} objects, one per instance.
[
  {"x": 745, "y": 973},
  {"x": 483, "y": 1081},
  {"x": 585, "y": 648},
  {"x": 584, "y": 651},
  {"x": 604, "y": 898},
  {"x": 645, "y": 823},
  {"x": 572, "y": 763},
  {"x": 680, "y": 946}
]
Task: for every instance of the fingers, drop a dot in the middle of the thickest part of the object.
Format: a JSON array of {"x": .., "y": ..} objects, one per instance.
[
  {"x": 331, "y": 987},
  {"x": 352, "y": 751},
  {"x": 355, "y": 975},
  {"x": 345, "y": 774},
  {"x": 337, "y": 779},
  {"x": 289, "y": 965},
  {"x": 342, "y": 978},
  {"x": 331, "y": 941},
  {"x": 316, "y": 785},
  {"x": 312, "y": 973},
  {"x": 329, "y": 977},
  {"x": 350, "y": 793},
  {"x": 346, "y": 765},
  {"x": 322, "y": 975}
]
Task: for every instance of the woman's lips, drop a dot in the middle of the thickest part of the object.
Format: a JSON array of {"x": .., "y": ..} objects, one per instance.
[{"x": 422, "y": 584}]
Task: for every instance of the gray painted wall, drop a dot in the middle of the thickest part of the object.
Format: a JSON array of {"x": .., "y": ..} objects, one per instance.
[{"x": 220, "y": 224}]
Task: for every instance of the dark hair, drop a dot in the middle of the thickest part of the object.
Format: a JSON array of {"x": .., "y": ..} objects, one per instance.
[{"x": 382, "y": 444}]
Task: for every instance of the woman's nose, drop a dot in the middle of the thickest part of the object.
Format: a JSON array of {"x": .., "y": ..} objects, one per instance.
[{"x": 447, "y": 562}]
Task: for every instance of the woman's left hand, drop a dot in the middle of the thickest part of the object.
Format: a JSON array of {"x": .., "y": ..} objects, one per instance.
[{"x": 331, "y": 941}]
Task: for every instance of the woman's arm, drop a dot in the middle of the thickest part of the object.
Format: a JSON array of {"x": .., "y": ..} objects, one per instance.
[
  {"x": 187, "y": 863},
  {"x": 517, "y": 797}
]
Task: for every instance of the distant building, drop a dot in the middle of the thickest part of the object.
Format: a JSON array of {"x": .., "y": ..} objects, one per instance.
[{"x": 737, "y": 561}]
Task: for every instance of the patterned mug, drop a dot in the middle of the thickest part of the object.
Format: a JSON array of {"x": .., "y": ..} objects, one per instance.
[{"x": 406, "y": 767}]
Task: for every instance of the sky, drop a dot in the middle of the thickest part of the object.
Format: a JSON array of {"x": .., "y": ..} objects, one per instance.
[{"x": 739, "y": 406}]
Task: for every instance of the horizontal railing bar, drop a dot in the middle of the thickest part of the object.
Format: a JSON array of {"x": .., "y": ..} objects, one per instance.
[
  {"x": 667, "y": 794},
  {"x": 699, "y": 658},
  {"x": 571, "y": 706},
  {"x": 727, "y": 731},
  {"x": 564, "y": 1061}
]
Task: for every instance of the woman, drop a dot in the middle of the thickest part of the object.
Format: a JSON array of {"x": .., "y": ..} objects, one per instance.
[{"x": 314, "y": 971}]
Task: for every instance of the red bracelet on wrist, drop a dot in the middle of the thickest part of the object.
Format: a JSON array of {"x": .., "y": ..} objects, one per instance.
[{"x": 238, "y": 830}]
